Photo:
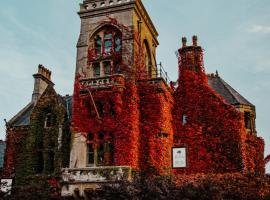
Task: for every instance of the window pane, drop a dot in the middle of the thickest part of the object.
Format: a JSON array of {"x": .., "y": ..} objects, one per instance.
[
  {"x": 90, "y": 137},
  {"x": 247, "y": 120},
  {"x": 108, "y": 36},
  {"x": 107, "y": 68},
  {"x": 108, "y": 46},
  {"x": 96, "y": 68},
  {"x": 118, "y": 44},
  {"x": 98, "y": 44},
  {"x": 90, "y": 152},
  {"x": 101, "y": 136},
  {"x": 101, "y": 154}
]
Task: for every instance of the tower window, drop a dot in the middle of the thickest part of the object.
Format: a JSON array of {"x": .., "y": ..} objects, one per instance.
[
  {"x": 98, "y": 45},
  {"x": 107, "y": 68},
  {"x": 108, "y": 43},
  {"x": 117, "y": 44},
  {"x": 96, "y": 69}
]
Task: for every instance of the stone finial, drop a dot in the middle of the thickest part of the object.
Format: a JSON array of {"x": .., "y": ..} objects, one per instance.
[
  {"x": 217, "y": 75},
  {"x": 44, "y": 72},
  {"x": 184, "y": 41},
  {"x": 195, "y": 40}
]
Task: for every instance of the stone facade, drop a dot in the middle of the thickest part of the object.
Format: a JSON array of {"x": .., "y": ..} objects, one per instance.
[
  {"x": 125, "y": 117},
  {"x": 38, "y": 136},
  {"x": 125, "y": 114}
]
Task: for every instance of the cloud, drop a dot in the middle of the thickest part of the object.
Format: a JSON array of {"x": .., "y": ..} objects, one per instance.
[{"x": 259, "y": 29}]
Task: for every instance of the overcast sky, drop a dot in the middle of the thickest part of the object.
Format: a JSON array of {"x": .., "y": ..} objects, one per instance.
[{"x": 235, "y": 35}]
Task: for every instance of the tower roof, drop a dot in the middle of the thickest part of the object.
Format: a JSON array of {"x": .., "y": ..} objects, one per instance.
[{"x": 226, "y": 91}]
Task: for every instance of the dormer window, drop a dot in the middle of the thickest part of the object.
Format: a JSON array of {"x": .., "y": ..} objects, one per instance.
[
  {"x": 247, "y": 119},
  {"x": 48, "y": 121}
]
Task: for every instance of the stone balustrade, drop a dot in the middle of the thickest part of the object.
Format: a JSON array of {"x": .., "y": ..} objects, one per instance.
[
  {"x": 103, "y": 82},
  {"x": 96, "y": 174},
  {"x": 81, "y": 179}
]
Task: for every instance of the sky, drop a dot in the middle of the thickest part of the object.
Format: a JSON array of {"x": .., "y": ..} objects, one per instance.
[{"x": 235, "y": 35}]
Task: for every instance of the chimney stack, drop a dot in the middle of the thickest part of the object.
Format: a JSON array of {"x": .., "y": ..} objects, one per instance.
[
  {"x": 184, "y": 41},
  {"x": 195, "y": 41},
  {"x": 42, "y": 80}
]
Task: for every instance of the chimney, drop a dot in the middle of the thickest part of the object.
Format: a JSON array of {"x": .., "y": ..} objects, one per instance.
[
  {"x": 184, "y": 41},
  {"x": 191, "y": 56},
  {"x": 42, "y": 80},
  {"x": 195, "y": 40}
]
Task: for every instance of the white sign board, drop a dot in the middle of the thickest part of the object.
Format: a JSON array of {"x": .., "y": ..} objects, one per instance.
[
  {"x": 6, "y": 186},
  {"x": 179, "y": 157}
]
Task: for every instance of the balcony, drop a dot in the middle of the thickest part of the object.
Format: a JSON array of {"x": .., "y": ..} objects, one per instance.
[
  {"x": 103, "y": 82},
  {"x": 78, "y": 180}
]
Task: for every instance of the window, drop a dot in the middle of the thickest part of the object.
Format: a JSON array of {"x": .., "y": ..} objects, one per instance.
[
  {"x": 112, "y": 108},
  {"x": 90, "y": 155},
  {"x": 117, "y": 67},
  {"x": 107, "y": 68},
  {"x": 98, "y": 45},
  {"x": 48, "y": 121},
  {"x": 101, "y": 154},
  {"x": 108, "y": 43},
  {"x": 100, "y": 108},
  {"x": 100, "y": 149},
  {"x": 90, "y": 137},
  {"x": 117, "y": 44},
  {"x": 247, "y": 119},
  {"x": 96, "y": 69},
  {"x": 184, "y": 119}
]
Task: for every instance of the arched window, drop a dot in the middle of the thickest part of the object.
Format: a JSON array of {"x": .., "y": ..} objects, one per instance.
[{"x": 107, "y": 45}]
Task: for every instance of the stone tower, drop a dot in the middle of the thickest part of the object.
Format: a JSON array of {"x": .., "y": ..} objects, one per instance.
[{"x": 117, "y": 87}]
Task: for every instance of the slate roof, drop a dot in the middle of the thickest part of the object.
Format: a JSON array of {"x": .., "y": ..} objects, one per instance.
[
  {"x": 23, "y": 117},
  {"x": 226, "y": 91}
]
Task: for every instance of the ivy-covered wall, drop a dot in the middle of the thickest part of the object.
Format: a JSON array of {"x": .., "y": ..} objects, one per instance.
[{"x": 46, "y": 146}]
